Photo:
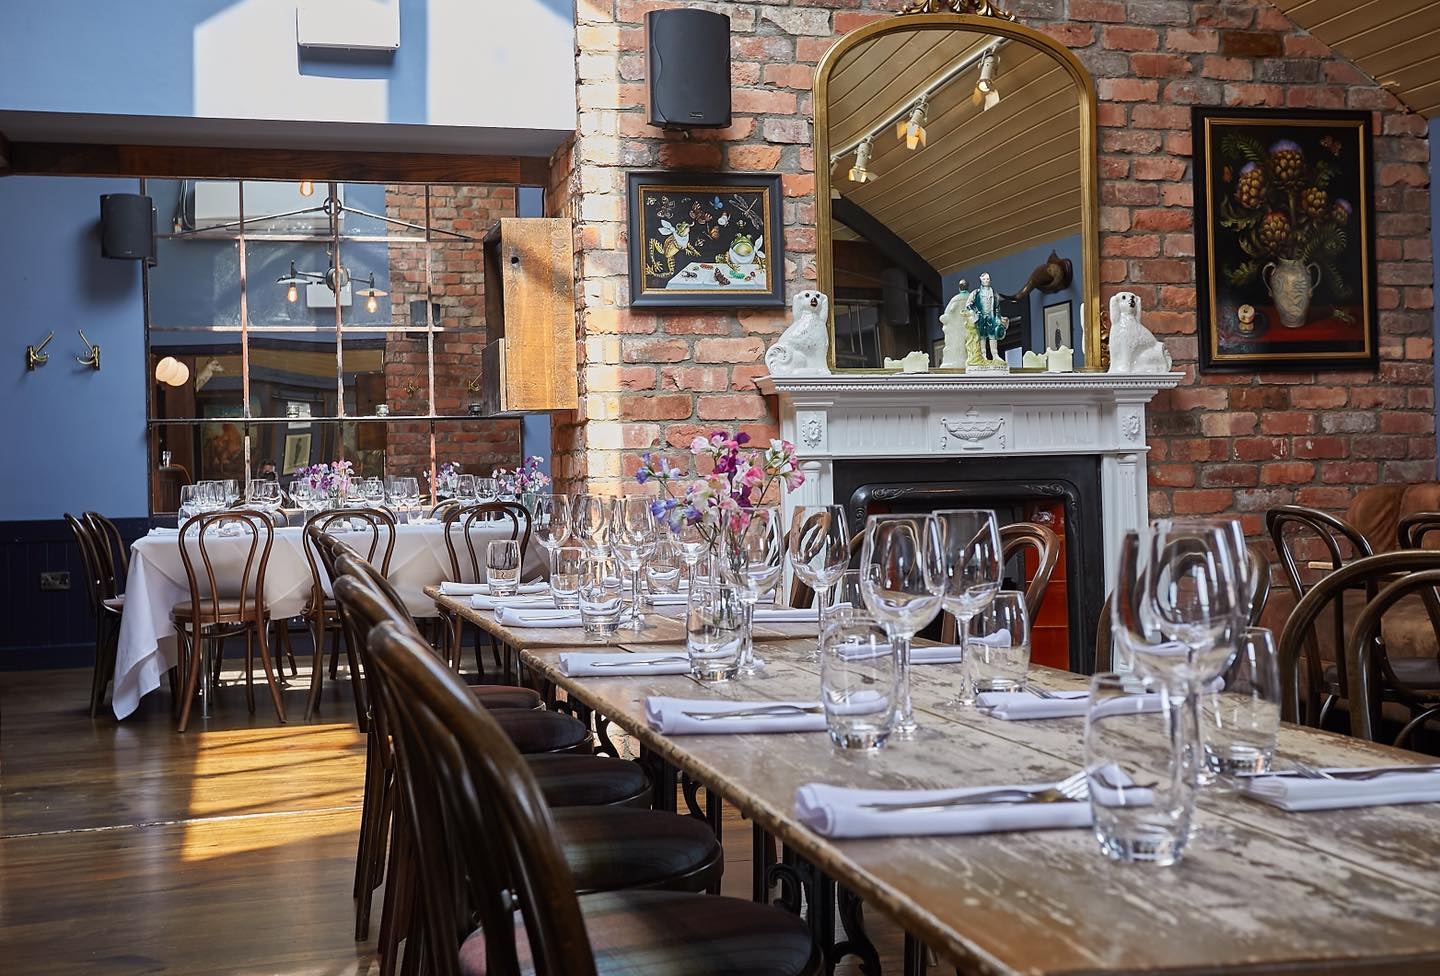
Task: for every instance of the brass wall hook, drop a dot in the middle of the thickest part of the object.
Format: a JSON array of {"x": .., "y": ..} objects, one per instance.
[
  {"x": 475, "y": 385},
  {"x": 35, "y": 355},
  {"x": 92, "y": 360}
]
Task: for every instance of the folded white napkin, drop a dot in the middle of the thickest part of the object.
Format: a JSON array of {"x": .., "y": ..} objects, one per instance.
[
  {"x": 669, "y": 715},
  {"x": 1297, "y": 793},
  {"x": 668, "y": 599},
  {"x": 779, "y": 615},
  {"x": 482, "y": 602},
  {"x": 162, "y": 530},
  {"x": 483, "y": 589},
  {"x": 1027, "y": 705},
  {"x": 577, "y": 664},
  {"x": 537, "y": 617},
  {"x": 837, "y": 811},
  {"x": 938, "y": 654}
]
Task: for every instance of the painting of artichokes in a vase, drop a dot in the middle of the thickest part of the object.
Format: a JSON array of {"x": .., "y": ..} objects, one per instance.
[{"x": 1284, "y": 239}]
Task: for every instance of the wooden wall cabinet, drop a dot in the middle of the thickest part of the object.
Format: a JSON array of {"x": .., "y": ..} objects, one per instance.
[{"x": 529, "y": 361}]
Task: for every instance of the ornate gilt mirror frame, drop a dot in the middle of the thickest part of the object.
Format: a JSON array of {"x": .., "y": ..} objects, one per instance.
[{"x": 998, "y": 23}]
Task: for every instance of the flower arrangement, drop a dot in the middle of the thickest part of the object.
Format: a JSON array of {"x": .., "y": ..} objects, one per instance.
[
  {"x": 333, "y": 477},
  {"x": 447, "y": 474},
  {"x": 720, "y": 501},
  {"x": 527, "y": 479}
]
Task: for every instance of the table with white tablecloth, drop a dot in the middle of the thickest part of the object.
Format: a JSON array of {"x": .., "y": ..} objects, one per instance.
[{"x": 157, "y": 582}]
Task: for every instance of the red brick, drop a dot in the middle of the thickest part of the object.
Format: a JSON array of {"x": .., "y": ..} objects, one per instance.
[
  {"x": 1320, "y": 447},
  {"x": 762, "y": 101},
  {"x": 1172, "y": 475},
  {"x": 1287, "y": 473},
  {"x": 1129, "y": 38},
  {"x": 1350, "y": 473},
  {"x": 1196, "y": 41},
  {"x": 1259, "y": 398},
  {"x": 1160, "y": 168},
  {"x": 687, "y": 155},
  {"x": 1229, "y": 476},
  {"x": 1261, "y": 448},
  {"x": 1205, "y": 501},
  {"x": 846, "y": 20},
  {"x": 674, "y": 406},
  {"x": 731, "y": 407},
  {"x": 797, "y": 76},
  {"x": 1159, "y": 66},
  {"x": 1332, "y": 499},
  {"x": 754, "y": 157},
  {"x": 1112, "y": 11},
  {"x": 1128, "y": 90},
  {"x": 1250, "y": 44},
  {"x": 1287, "y": 422},
  {"x": 1407, "y": 423},
  {"x": 694, "y": 379},
  {"x": 746, "y": 350}
]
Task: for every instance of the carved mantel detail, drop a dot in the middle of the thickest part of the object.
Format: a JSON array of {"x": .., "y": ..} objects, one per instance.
[
  {"x": 810, "y": 432},
  {"x": 972, "y": 428}
]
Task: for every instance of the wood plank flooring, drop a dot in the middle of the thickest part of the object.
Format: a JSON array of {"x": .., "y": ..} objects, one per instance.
[{"x": 126, "y": 848}]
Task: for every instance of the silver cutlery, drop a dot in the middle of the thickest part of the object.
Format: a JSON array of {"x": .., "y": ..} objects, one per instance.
[
  {"x": 768, "y": 710},
  {"x": 1358, "y": 775},
  {"x": 640, "y": 663},
  {"x": 1071, "y": 788}
]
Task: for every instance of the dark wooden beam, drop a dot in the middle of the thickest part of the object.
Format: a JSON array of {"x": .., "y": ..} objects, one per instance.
[
  {"x": 199, "y": 162},
  {"x": 890, "y": 245}
]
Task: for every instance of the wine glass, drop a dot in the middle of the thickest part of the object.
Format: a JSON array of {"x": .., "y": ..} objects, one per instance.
[
  {"x": 189, "y": 503},
  {"x": 902, "y": 578},
  {"x": 590, "y": 521},
  {"x": 550, "y": 523},
  {"x": 970, "y": 547},
  {"x": 632, "y": 534},
  {"x": 693, "y": 546},
  {"x": 486, "y": 490},
  {"x": 752, "y": 559},
  {"x": 464, "y": 488},
  {"x": 1193, "y": 590},
  {"x": 819, "y": 546}
]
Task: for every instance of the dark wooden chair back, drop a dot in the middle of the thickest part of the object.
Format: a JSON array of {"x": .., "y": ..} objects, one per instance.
[
  {"x": 115, "y": 555},
  {"x": 1015, "y": 538},
  {"x": 444, "y": 507},
  {"x": 1372, "y": 678},
  {"x": 90, "y": 558},
  {"x": 1297, "y": 638},
  {"x": 372, "y": 524},
  {"x": 203, "y": 533},
  {"x": 481, "y": 830},
  {"x": 1413, "y": 529},
  {"x": 459, "y": 522}
]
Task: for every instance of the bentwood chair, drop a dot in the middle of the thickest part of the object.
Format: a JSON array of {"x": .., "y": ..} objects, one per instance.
[
  {"x": 1376, "y": 677},
  {"x": 1018, "y": 539},
  {"x": 225, "y": 604},
  {"x": 105, "y": 605},
  {"x": 367, "y": 525},
  {"x": 464, "y": 523},
  {"x": 487, "y": 850}
]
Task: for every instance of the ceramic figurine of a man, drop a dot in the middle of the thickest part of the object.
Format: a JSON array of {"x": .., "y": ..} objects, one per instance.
[{"x": 990, "y": 325}]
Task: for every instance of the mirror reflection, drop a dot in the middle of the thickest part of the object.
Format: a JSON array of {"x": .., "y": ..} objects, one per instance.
[{"x": 954, "y": 153}]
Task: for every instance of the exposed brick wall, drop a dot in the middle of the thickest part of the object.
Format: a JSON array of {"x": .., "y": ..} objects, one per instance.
[
  {"x": 1220, "y": 443},
  {"x": 456, "y": 275}
]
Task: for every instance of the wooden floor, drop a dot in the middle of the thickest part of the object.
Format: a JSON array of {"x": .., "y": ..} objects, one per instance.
[{"x": 126, "y": 848}]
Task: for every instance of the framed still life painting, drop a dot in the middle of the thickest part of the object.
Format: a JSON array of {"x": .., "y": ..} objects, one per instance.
[
  {"x": 705, "y": 240},
  {"x": 1284, "y": 239}
]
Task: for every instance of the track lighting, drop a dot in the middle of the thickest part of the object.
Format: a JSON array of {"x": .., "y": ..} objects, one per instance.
[
  {"x": 913, "y": 129},
  {"x": 986, "y": 91},
  {"x": 859, "y": 173}
]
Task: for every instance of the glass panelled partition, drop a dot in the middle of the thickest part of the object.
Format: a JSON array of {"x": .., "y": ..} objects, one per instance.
[{"x": 345, "y": 322}]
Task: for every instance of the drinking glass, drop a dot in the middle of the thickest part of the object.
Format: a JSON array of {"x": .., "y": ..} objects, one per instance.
[
  {"x": 846, "y": 594},
  {"x": 190, "y": 504},
  {"x": 819, "y": 546},
  {"x": 859, "y": 678},
  {"x": 590, "y": 521},
  {"x": 633, "y": 537},
  {"x": 902, "y": 577},
  {"x": 1242, "y": 719},
  {"x": 662, "y": 569},
  {"x": 1141, "y": 796},
  {"x": 752, "y": 559},
  {"x": 486, "y": 490},
  {"x": 230, "y": 491},
  {"x": 550, "y": 523},
  {"x": 464, "y": 488},
  {"x": 411, "y": 488},
  {"x": 601, "y": 596},
  {"x": 693, "y": 546},
  {"x": 502, "y": 567},
  {"x": 970, "y": 549},
  {"x": 999, "y": 644},
  {"x": 505, "y": 487},
  {"x": 714, "y": 628},
  {"x": 566, "y": 563}
]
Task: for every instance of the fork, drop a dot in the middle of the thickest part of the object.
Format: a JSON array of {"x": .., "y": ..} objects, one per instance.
[
  {"x": 629, "y": 663},
  {"x": 1358, "y": 775},
  {"x": 755, "y": 712},
  {"x": 1072, "y": 787}
]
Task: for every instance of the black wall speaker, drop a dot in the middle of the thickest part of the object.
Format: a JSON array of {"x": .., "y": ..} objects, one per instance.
[
  {"x": 127, "y": 226},
  {"x": 689, "y": 68}
]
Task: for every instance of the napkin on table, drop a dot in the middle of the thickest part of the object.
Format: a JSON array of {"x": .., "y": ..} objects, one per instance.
[
  {"x": 537, "y": 617},
  {"x": 668, "y": 715},
  {"x": 778, "y": 615},
  {"x": 482, "y": 602},
  {"x": 838, "y": 811},
  {"x": 448, "y": 588},
  {"x": 1012, "y": 705},
  {"x": 1298, "y": 794},
  {"x": 577, "y": 664},
  {"x": 163, "y": 530}
]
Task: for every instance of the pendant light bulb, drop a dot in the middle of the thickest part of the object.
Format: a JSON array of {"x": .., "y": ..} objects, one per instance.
[
  {"x": 912, "y": 130},
  {"x": 292, "y": 294},
  {"x": 859, "y": 173},
  {"x": 987, "y": 93},
  {"x": 371, "y": 305},
  {"x": 307, "y": 188}
]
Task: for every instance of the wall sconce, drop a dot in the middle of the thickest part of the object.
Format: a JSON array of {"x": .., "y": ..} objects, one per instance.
[
  {"x": 370, "y": 293},
  {"x": 35, "y": 355},
  {"x": 172, "y": 372},
  {"x": 93, "y": 359}
]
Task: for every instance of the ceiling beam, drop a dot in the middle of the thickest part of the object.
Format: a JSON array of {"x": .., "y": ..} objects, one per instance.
[{"x": 200, "y": 162}]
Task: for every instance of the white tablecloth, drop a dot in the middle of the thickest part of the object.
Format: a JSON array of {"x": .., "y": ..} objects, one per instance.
[{"x": 157, "y": 582}]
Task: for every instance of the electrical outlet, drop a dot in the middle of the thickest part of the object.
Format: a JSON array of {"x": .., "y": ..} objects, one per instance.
[{"x": 57, "y": 579}]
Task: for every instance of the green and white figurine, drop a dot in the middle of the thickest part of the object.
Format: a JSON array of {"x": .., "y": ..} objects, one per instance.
[{"x": 990, "y": 326}]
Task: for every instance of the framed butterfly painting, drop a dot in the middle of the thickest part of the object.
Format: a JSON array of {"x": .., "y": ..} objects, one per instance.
[{"x": 705, "y": 240}]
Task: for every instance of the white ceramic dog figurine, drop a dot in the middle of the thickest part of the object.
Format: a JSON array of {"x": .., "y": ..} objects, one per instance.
[
  {"x": 803, "y": 348},
  {"x": 1133, "y": 348}
]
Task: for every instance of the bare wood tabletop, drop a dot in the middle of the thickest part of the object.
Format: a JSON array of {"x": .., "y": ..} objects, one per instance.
[{"x": 1259, "y": 890}]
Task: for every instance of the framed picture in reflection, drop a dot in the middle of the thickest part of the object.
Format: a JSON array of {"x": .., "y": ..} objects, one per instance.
[
  {"x": 297, "y": 453},
  {"x": 1058, "y": 326},
  {"x": 1285, "y": 239}
]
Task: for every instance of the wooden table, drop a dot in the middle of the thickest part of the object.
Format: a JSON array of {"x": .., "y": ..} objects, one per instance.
[{"x": 1355, "y": 891}]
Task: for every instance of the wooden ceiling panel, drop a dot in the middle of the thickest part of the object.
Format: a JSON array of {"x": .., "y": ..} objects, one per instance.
[
  {"x": 1396, "y": 42},
  {"x": 986, "y": 184}
]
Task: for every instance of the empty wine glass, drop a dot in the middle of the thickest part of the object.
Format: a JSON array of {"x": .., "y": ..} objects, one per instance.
[
  {"x": 819, "y": 546},
  {"x": 230, "y": 490},
  {"x": 902, "y": 578},
  {"x": 691, "y": 539},
  {"x": 633, "y": 538},
  {"x": 550, "y": 523},
  {"x": 752, "y": 559},
  {"x": 410, "y": 495},
  {"x": 662, "y": 569},
  {"x": 590, "y": 521},
  {"x": 970, "y": 548},
  {"x": 189, "y": 502},
  {"x": 486, "y": 490},
  {"x": 464, "y": 488}
]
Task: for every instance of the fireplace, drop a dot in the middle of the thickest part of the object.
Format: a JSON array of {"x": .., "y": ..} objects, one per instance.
[{"x": 1063, "y": 492}]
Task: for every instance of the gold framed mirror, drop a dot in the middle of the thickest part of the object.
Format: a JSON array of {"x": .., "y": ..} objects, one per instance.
[{"x": 947, "y": 145}]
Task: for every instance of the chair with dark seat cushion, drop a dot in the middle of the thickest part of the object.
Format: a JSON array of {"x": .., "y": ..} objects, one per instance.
[
  {"x": 1376, "y": 677},
  {"x": 487, "y": 850}
]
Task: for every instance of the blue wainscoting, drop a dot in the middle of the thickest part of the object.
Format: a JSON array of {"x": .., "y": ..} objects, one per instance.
[{"x": 47, "y": 629}]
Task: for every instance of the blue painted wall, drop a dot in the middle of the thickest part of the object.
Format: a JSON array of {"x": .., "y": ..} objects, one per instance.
[
  {"x": 1009, "y": 274},
  {"x": 75, "y": 439}
]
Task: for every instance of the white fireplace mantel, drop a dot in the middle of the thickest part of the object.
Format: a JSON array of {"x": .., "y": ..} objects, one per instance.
[{"x": 951, "y": 415}]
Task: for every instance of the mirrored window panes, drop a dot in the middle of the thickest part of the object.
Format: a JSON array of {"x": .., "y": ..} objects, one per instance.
[{"x": 203, "y": 377}]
